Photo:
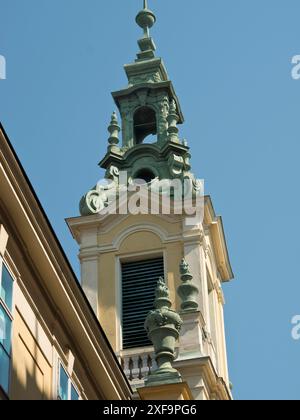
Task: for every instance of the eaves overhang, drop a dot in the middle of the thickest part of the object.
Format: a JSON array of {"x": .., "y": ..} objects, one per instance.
[{"x": 56, "y": 275}]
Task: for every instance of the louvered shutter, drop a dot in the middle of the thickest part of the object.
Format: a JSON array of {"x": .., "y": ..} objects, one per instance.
[{"x": 139, "y": 280}]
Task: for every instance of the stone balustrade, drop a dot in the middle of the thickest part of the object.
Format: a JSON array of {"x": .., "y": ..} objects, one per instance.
[{"x": 137, "y": 365}]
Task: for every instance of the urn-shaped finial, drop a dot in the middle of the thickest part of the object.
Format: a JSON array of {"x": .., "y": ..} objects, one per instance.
[
  {"x": 114, "y": 130},
  {"x": 187, "y": 291},
  {"x": 163, "y": 326}
]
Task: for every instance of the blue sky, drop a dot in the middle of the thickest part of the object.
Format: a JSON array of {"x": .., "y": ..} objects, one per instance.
[{"x": 230, "y": 62}]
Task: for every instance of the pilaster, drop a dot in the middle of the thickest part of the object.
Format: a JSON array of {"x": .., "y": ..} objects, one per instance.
[
  {"x": 89, "y": 259},
  {"x": 3, "y": 240},
  {"x": 191, "y": 335},
  {"x": 195, "y": 257}
]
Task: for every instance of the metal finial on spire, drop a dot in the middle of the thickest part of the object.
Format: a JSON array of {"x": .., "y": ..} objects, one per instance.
[{"x": 146, "y": 19}]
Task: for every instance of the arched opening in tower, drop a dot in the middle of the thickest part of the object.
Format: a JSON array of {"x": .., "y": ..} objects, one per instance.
[
  {"x": 145, "y": 127},
  {"x": 144, "y": 176}
]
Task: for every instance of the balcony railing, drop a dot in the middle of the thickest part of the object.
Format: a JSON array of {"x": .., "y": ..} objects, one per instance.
[{"x": 138, "y": 364}]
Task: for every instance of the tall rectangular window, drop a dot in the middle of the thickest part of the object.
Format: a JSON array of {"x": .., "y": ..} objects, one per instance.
[
  {"x": 6, "y": 289},
  {"x": 74, "y": 394},
  {"x": 66, "y": 389},
  {"x": 139, "y": 280},
  {"x": 63, "y": 385}
]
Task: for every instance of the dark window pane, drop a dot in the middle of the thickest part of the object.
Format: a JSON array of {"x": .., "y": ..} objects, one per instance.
[
  {"x": 6, "y": 287},
  {"x": 63, "y": 384},
  {"x": 5, "y": 330},
  {"x": 74, "y": 394},
  {"x": 4, "y": 369}
]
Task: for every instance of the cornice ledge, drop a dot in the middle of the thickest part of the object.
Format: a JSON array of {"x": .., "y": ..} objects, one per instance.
[{"x": 215, "y": 383}]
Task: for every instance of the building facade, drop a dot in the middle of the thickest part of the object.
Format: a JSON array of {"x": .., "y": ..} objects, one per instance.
[
  {"x": 123, "y": 252},
  {"x": 51, "y": 344}
]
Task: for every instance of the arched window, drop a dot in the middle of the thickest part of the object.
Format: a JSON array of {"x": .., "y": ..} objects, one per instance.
[{"x": 145, "y": 127}]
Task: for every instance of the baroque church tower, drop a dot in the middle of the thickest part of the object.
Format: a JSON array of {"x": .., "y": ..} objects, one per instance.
[{"x": 123, "y": 253}]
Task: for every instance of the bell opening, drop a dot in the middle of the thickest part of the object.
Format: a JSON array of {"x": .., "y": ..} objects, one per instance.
[{"x": 145, "y": 127}]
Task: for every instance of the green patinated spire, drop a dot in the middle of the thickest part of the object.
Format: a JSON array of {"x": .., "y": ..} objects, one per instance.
[
  {"x": 146, "y": 19},
  {"x": 147, "y": 143}
]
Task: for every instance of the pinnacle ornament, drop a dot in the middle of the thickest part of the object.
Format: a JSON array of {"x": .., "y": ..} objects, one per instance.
[
  {"x": 173, "y": 119},
  {"x": 114, "y": 130},
  {"x": 163, "y": 326},
  {"x": 187, "y": 291}
]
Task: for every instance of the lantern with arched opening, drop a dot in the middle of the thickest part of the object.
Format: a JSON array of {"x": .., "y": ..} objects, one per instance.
[{"x": 145, "y": 125}]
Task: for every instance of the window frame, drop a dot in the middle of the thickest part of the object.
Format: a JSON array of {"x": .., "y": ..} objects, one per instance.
[
  {"x": 127, "y": 258},
  {"x": 9, "y": 313},
  {"x": 2, "y": 263},
  {"x": 70, "y": 383},
  {"x": 119, "y": 260}
]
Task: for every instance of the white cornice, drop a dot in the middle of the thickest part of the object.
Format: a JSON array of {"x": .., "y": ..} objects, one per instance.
[{"x": 215, "y": 225}]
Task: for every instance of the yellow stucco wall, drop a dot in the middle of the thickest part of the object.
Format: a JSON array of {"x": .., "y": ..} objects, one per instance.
[
  {"x": 40, "y": 341},
  {"x": 31, "y": 373}
]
